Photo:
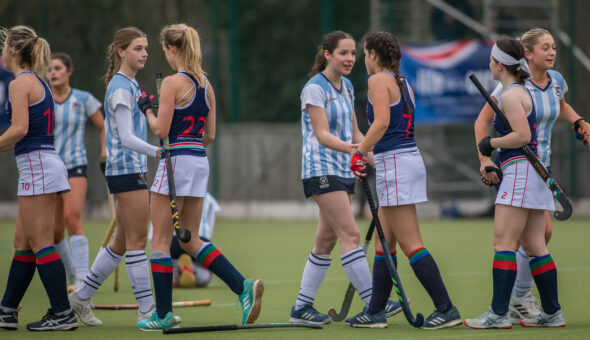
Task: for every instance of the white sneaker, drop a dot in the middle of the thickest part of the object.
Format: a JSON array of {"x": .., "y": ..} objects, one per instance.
[
  {"x": 83, "y": 308},
  {"x": 488, "y": 320},
  {"x": 146, "y": 315},
  {"x": 526, "y": 307},
  {"x": 545, "y": 320}
]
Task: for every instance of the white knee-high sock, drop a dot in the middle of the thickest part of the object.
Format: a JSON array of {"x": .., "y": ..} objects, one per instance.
[
  {"x": 313, "y": 275},
  {"x": 357, "y": 269},
  {"x": 79, "y": 245},
  {"x": 138, "y": 271},
  {"x": 64, "y": 252},
  {"x": 524, "y": 279},
  {"x": 105, "y": 263}
]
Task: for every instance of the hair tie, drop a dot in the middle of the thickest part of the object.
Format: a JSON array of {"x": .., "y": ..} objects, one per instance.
[{"x": 184, "y": 28}]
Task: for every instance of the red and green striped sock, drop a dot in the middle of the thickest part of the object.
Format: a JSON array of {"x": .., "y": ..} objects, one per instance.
[
  {"x": 213, "y": 259},
  {"x": 53, "y": 276},
  {"x": 162, "y": 274},
  {"x": 20, "y": 275},
  {"x": 545, "y": 275},
  {"x": 504, "y": 275}
]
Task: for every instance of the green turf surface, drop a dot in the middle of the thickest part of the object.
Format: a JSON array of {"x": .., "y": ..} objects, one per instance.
[{"x": 276, "y": 251}]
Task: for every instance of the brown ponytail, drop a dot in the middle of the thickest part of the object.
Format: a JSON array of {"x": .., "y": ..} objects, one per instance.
[{"x": 389, "y": 52}]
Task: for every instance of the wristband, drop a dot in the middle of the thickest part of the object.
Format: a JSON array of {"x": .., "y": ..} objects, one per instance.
[{"x": 360, "y": 152}]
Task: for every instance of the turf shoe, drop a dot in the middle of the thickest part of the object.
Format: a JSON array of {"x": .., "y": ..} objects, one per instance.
[
  {"x": 187, "y": 275},
  {"x": 145, "y": 316},
  {"x": 251, "y": 300},
  {"x": 154, "y": 323},
  {"x": 365, "y": 319},
  {"x": 489, "y": 320},
  {"x": 545, "y": 320},
  {"x": 438, "y": 320},
  {"x": 393, "y": 307},
  {"x": 52, "y": 322},
  {"x": 308, "y": 314},
  {"x": 526, "y": 307},
  {"x": 8, "y": 320},
  {"x": 83, "y": 309}
]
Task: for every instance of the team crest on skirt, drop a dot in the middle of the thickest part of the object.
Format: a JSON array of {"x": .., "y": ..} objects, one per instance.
[{"x": 324, "y": 182}]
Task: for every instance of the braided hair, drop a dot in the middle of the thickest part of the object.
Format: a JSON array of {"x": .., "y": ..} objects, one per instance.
[{"x": 389, "y": 52}]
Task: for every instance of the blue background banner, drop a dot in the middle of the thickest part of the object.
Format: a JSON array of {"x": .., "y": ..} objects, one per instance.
[{"x": 439, "y": 76}]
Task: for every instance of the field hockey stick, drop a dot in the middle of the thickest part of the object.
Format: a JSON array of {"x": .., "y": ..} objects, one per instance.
[
  {"x": 337, "y": 317},
  {"x": 238, "y": 327},
  {"x": 195, "y": 303},
  {"x": 556, "y": 190},
  {"x": 183, "y": 235},
  {"x": 419, "y": 319}
]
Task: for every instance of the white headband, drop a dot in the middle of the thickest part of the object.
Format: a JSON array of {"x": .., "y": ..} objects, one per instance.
[{"x": 506, "y": 59}]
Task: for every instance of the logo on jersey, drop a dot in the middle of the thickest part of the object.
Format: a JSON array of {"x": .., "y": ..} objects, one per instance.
[
  {"x": 324, "y": 183},
  {"x": 557, "y": 90},
  {"x": 331, "y": 100},
  {"x": 349, "y": 94}
]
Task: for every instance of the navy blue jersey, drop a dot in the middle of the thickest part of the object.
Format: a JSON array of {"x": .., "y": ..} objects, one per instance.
[
  {"x": 400, "y": 132},
  {"x": 509, "y": 154},
  {"x": 41, "y": 120},
  {"x": 188, "y": 123}
]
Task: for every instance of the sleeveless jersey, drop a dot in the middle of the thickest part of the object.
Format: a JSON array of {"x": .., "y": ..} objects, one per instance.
[
  {"x": 400, "y": 132},
  {"x": 547, "y": 106},
  {"x": 502, "y": 129},
  {"x": 188, "y": 123},
  {"x": 317, "y": 160},
  {"x": 70, "y": 123},
  {"x": 41, "y": 122},
  {"x": 121, "y": 161}
]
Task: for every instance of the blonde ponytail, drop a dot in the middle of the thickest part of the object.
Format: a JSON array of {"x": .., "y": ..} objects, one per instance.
[{"x": 187, "y": 41}]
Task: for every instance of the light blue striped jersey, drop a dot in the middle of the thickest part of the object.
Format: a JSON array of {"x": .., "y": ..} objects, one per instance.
[
  {"x": 70, "y": 123},
  {"x": 121, "y": 161},
  {"x": 547, "y": 105},
  {"x": 317, "y": 160}
]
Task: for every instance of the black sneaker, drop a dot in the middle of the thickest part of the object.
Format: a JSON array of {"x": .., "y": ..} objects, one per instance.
[
  {"x": 52, "y": 322},
  {"x": 9, "y": 320},
  {"x": 438, "y": 320}
]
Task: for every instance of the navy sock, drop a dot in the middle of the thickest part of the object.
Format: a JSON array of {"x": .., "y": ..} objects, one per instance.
[
  {"x": 545, "y": 275},
  {"x": 20, "y": 275},
  {"x": 504, "y": 273},
  {"x": 428, "y": 274},
  {"x": 162, "y": 274},
  {"x": 382, "y": 283},
  {"x": 213, "y": 259},
  {"x": 53, "y": 276}
]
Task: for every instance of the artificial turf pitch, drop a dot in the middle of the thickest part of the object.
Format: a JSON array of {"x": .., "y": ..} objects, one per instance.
[{"x": 276, "y": 251}]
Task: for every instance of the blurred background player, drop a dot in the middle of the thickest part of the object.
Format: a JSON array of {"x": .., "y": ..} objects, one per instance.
[
  {"x": 522, "y": 197},
  {"x": 126, "y": 135},
  {"x": 548, "y": 88},
  {"x": 5, "y": 78},
  {"x": 401, "y": 183},
  {"x": 186, "y": 117},
  {"x": 42, "y": 177},
  {"x": 72, "y": 109},
  {"x": 330, "y": 134}
]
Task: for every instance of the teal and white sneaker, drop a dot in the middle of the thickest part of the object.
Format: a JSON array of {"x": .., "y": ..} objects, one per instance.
[
  {"x": 251, "y": 300},
  {"x": 489, "y": 320},
  {"x": 545, "y": 320},
  {"x": 438, "y": 320},
  {"x": 308, "y": 314},
  {"x": 393, "y": 307},
  {"x": 154, "y": 323},
  {"x": 365, "y": 319}
]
